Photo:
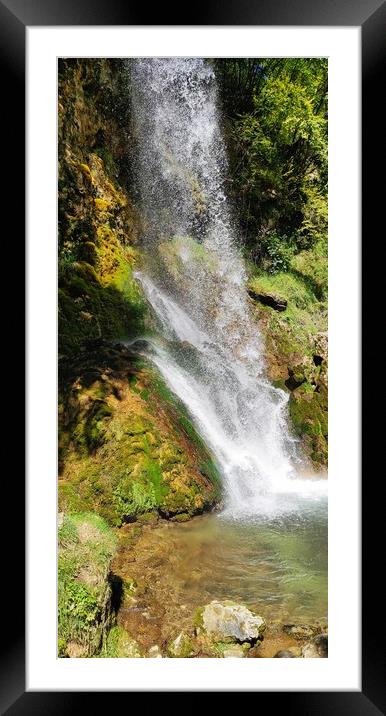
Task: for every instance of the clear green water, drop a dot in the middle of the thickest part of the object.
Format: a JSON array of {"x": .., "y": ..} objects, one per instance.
[{"x": 276, "y": 567}]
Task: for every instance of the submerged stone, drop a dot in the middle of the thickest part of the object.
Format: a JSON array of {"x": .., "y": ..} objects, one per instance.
[
  {"x": 317, "y": 648},
  {"x": 299, "y": 631},
  {"x": 284, "y": 654}
]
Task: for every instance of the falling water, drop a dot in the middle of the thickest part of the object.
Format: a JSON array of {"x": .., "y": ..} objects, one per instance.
[{"x": 208, "y": 347}]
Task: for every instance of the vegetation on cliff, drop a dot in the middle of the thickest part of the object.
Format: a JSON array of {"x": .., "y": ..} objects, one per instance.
[
  {"x": 127, "y": 446},
  {"x": 275, "y": 120},
  {"x": 128, "y": 451},
  {"x": 86, "y": 546},
  {"x": 124, "y": 446}
]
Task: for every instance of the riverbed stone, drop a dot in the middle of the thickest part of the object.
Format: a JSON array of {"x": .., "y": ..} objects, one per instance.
[
  {"x": 231, "y": 623},
  {"x": 299, "y": 631},
  {"x": 284, "y": 654},
  {"x": 317, "y": 648}
]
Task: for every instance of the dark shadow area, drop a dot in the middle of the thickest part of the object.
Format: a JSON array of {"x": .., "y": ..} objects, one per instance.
[{"x": 116, "y": 585}]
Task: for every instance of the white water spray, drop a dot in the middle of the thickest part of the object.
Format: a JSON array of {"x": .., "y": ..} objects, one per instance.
[{"x": 209, "y": 350}]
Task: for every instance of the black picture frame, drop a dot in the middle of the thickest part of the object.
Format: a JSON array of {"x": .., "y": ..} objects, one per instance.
[{"x": 370, "y": 15}]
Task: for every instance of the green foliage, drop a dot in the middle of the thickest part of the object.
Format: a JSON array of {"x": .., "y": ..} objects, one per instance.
[
  {"x": 79, "y": 606},
  {"x": 277, "y": 137},
  {"x": 133, "y": 498},
  {"x": 278, "y": 253},
  {"x": 312, "y": 267},
  {"x": 86, "y": 545}
]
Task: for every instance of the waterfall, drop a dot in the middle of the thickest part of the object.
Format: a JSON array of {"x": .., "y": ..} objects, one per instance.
[{"x": 208, "y": 347}]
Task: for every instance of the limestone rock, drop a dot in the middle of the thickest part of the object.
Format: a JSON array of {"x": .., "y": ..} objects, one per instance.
[{"x": 229, "y": 622}]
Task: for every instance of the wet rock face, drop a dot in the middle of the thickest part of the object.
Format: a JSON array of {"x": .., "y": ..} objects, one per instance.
[{"x": 229, "y": 622}]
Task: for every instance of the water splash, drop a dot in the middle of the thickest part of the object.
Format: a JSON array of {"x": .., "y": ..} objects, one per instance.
[{"x": 209, "y": 349}]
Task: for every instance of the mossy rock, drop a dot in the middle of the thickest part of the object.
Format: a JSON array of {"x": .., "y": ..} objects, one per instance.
[
  {"x": 181, "y": 517},
  {"x": 86, "y": 547},
  {"x": 119, "y": 644},
  {"x": 123, "y": 452},
  {"x": 182, "y": 647},
  {"x": 308, "y": 410}
]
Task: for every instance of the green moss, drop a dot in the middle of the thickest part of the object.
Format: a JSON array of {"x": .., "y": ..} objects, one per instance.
[
  {"x": 132, "y": 498},
  {"x": 280, "y": 384},
  {"x": 198, "y": 618},
  {"x": 182, "y": 517},
  {"x": 86, "y": 545},
  {"x": 308, "y": 410},
  {"x": 219, "y": 647},
  {"x": 181, "y": 648},
  {"x": 312, "y": 266},
  {"x": 70, "y": 499},
  {"x": 285, "y": 285},
  {"x": 120, "y": 645},
  {"x": 148, "y": 517},
  {"x": 91, "y": 432},
  {"x": 290, "y": 341},
  {"x": 89, "y": 310},
  {"x": 290, "y": 332},
  {"x": 126, "y": 453},
  {"x": 210, "y": 470}
]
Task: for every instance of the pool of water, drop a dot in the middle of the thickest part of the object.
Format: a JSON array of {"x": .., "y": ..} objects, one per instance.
[{"x": 278, "y": 567}]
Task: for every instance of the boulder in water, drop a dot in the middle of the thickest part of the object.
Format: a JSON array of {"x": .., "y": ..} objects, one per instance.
[{"x": 231, "y": 623}]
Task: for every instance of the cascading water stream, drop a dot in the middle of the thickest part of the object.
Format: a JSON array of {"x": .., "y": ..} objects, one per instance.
[{"x": 208, "y": 349}]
